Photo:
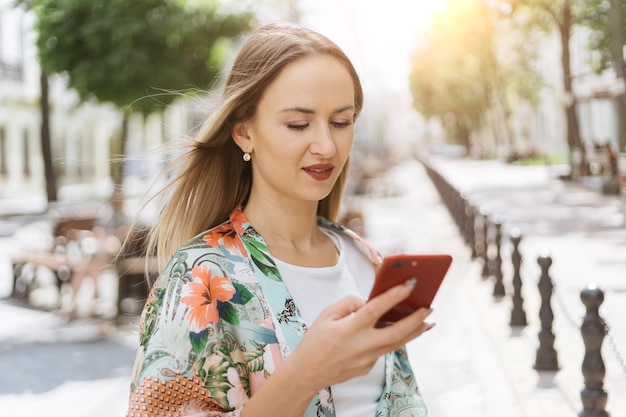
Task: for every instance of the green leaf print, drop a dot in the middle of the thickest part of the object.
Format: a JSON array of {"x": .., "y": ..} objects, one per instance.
[
  {"x": 201, "y": 371},
  {"x": 228, "y": 312},
  {"x": 150, "y": 317},
  {"x": 244, "y": 374},
  {"x": 242, "y": 295},
  {"x": 216, "y": 380},
  {"x": 198, "y": 340},
  {"x": 262, "y": 260},
  {"x": 254, "y": 360}
]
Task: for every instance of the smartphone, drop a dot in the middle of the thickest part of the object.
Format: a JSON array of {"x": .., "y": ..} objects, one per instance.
[{"x": 426, "y": 271}]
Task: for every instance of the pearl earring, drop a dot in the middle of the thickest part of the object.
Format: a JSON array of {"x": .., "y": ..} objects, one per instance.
[{"x": 246, "y": 156}]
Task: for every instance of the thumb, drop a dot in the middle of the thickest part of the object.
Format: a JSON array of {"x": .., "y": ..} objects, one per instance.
[{"x": 342, "y": 308}]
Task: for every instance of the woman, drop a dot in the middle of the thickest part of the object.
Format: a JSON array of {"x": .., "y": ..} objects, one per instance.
[{"x": 260, "y": 310}]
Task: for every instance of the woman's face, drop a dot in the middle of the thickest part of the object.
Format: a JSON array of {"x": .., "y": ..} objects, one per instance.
[{"x": 303, "y": 130}]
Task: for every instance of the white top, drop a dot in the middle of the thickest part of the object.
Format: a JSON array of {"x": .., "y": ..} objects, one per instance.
[{"x": 314, "y": 289}]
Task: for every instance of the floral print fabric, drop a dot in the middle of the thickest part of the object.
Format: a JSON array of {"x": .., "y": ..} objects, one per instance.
[{"x": 217, "y": 323}]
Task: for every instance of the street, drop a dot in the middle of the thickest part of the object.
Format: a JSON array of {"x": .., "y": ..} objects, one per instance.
[{"x": 472, "y": 363}]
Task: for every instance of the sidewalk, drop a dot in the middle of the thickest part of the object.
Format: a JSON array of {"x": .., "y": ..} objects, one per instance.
[
  {"x": 471, "y": 364},
  {"x": 457, "y": 368},
  {"x": 52, "y": 368},
  {"x": 584, "y": 233}
]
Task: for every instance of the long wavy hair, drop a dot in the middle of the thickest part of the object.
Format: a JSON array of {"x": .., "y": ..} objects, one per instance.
[{"x": 211, "y": 179}]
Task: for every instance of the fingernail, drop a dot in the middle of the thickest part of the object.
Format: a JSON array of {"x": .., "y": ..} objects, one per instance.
[
  {"x": 427, "y": 312},
  {"x": 430, "y": 326},
  {"x": 411, "y": 282},
  {"x": 404, "y": 288}
]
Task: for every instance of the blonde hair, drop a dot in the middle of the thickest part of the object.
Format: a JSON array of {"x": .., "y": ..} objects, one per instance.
[{"x": 213, "y": 179}]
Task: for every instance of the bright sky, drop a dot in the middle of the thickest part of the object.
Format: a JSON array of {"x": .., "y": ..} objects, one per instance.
[{"x": 377, "y": 35}]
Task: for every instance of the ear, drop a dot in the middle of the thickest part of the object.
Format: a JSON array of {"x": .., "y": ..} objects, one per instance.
[{"x": 241, "y": 137}]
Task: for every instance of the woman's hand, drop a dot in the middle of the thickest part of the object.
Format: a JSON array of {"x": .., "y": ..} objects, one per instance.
[{"x": 344, "y": 342}]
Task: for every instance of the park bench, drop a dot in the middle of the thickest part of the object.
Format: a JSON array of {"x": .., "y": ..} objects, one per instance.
[
  {"x": 135, "y": 273},
  {"x": 26, "y": 262},
  {"x": 130, "y": 264}
]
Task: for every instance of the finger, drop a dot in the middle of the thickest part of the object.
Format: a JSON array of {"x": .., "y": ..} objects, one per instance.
[
  {"x": 409, "y": 327},
  {"x": 374, "y": 309},
  {"x": 342, "y": 308}
]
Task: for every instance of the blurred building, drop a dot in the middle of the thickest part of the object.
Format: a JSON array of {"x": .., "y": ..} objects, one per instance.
[
  {"x": 81, "y": 133},
  {"x": 19, "y": 160},
  {"x": 542, "y": 128},
  {"x": 596, "y": 95}
]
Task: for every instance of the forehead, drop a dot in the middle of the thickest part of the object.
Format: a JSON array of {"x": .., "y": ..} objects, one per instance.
[{"x": 315, "y": 79}]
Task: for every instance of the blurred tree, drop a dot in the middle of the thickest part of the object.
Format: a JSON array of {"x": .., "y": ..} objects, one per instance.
[
  {"x": 606, "y": 19},
  {"x": 138, "y": 55},
  {"x": 470, "y": 64},
  {"x": 450, "y": 72},
  {"x": 516, "y": 81},
  {"x": 595, "y": 16},
  {"x": 46, "y": 148},
  {"x": 564, "y": 15}
]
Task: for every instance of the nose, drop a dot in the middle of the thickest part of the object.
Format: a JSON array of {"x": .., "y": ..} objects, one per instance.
[{"x": 323, "y": 143}]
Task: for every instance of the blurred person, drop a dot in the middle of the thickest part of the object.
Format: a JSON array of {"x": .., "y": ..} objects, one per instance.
[
  {"x": 89, "y": 253},
  {"x": 260, "y": 308},
  {"x": 112, "y": 217}
]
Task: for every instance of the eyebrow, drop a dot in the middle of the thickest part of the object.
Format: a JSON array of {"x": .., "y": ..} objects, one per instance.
[{"x": 309, "y": 111}]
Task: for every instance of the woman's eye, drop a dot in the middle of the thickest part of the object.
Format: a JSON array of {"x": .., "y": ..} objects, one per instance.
[
  {"x": 298, "y": 126},
  {"x": 341, "y": 125}
]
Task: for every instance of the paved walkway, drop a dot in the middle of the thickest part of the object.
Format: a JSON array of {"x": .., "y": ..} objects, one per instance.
[
  {"x": 455, "y": 364},
  {"x": 583, "y": 231},
  {"x": 472, "y": 363}
]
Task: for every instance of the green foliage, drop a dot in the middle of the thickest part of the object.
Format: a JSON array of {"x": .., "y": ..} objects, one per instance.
[
  {"x": 590, "y": 13},
  {"x": 450, "y": 72},
  {"x": 517, "y": 57},
  {"x": 123, "y": 52},
  {"x": 472, "y": 60},
  {"x": 557, "y": 159},
  {"x": 595, "y": 16}
]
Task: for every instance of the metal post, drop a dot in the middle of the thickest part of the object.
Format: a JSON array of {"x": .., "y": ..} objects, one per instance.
[
  {"x": 460, "y": 201},
  {"x": 498, "y": 288},
  {"x": 484, "y": 212},
  {"x": 470, "y": 238},
  {"x": 546, "y": 359},
  {"x": 518, "y": 316},
  {"x": 479, "y": 234},
  {"x": 593, "y": 396}
]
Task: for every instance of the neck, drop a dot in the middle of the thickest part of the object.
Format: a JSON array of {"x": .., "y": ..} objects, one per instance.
[
  {"x": 283, "y": 225},
  {"x": 291, "y": 233}
]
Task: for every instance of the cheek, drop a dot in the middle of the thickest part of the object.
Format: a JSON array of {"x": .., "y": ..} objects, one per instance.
[{"x": 344, "y": 144}]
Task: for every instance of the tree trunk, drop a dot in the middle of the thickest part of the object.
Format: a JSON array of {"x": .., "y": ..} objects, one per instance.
[
  {"x": 463, "y": 133},
  {"x": 46, "y": 148},
  {"x": 118, "y": 152},
  {"x": 616, "y": 25},
  {"x": 573, "y": 133}
]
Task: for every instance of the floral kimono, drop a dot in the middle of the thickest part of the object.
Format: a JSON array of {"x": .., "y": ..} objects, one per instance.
[{"x": 219, "y": 320}]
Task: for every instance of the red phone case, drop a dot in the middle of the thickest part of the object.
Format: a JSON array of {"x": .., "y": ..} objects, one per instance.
[{"x": 427, "y": 269}]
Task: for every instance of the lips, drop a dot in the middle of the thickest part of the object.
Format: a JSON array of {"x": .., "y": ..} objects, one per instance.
[{"x": 319, "y": 172}]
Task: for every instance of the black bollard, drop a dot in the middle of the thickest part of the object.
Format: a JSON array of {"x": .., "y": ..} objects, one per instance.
[
  {"x": 593, "y": 396},
  {"x": 546, "y": 359},
  {"x": 479, "y": 234},
  {"x": 460, "y": 203},
  {"x": 518, "y": 316},
  {"x": 484, "y": 212},
  {"x": 498, "y": 288},
  {"x": 470, "y": 238}
]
